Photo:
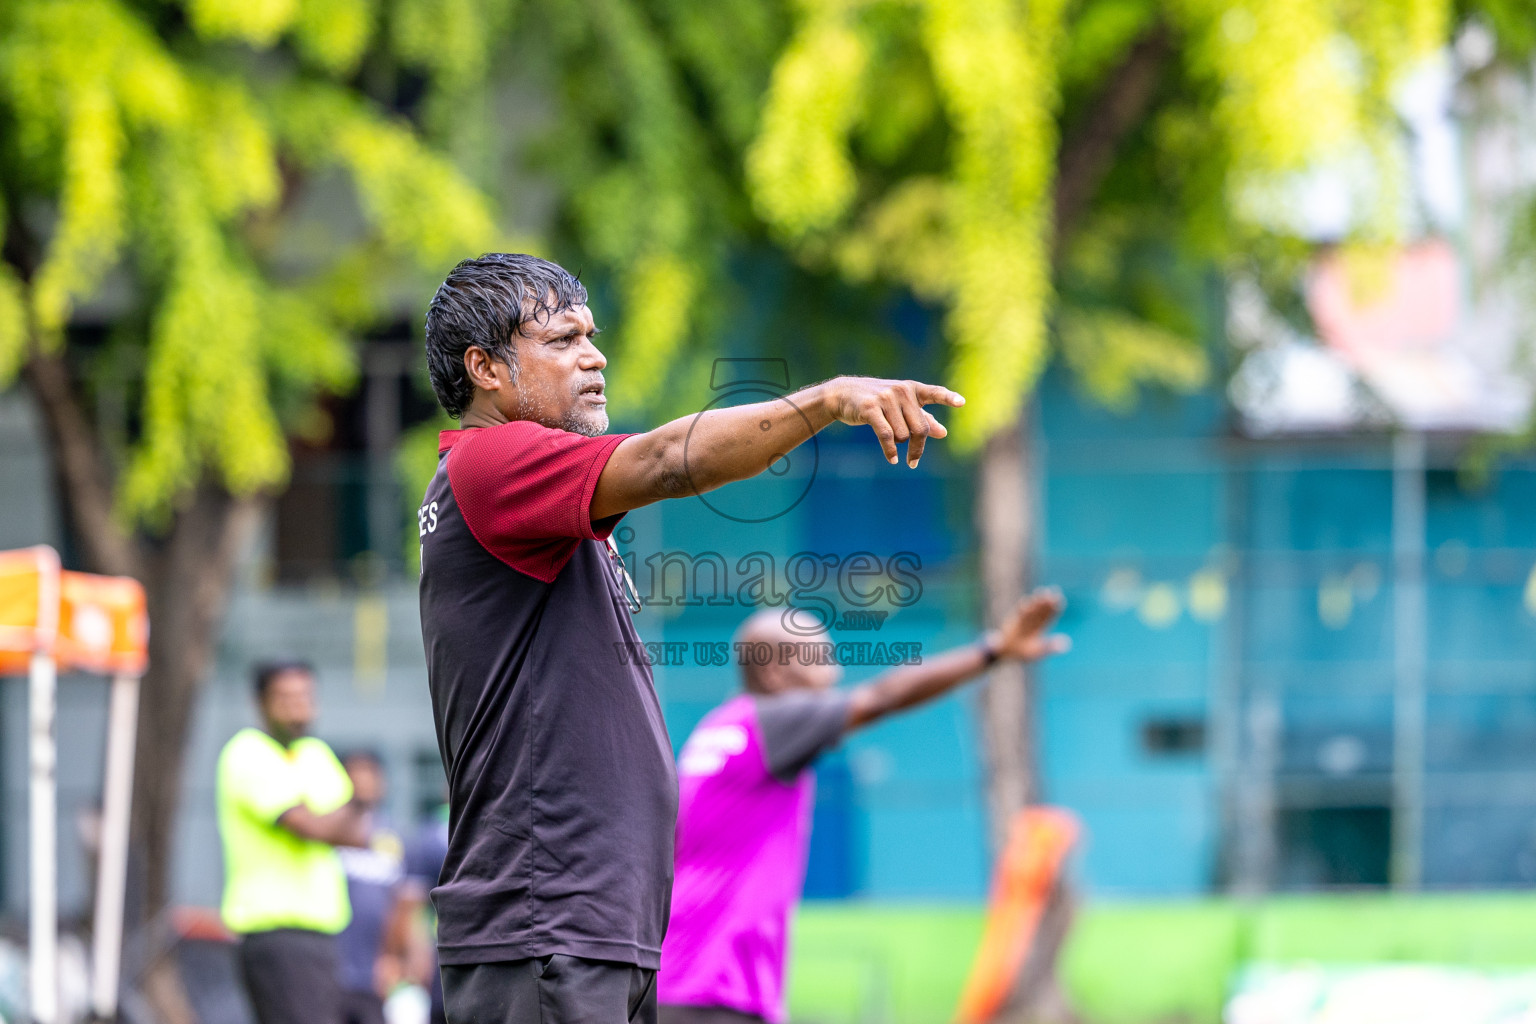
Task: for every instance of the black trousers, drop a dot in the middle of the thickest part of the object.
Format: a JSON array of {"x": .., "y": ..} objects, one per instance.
[
  {"x": 361, "y": 1008},
  {"x": 290, "y": 976},
  {"x": 555, "y": 989},
  {"x": 678, "y": 1013}
]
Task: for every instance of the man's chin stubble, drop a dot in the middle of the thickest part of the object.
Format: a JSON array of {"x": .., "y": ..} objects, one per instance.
[{"x": 587, "y": 424}]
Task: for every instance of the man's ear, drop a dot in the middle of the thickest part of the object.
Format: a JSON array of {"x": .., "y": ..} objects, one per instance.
[{"x": 480, "y": 369}]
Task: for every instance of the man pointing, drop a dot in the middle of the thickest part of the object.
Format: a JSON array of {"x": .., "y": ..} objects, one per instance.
[{"x": 554, "y": 896}]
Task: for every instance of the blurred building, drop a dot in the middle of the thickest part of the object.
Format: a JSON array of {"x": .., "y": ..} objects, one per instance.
[
  {"x": 1300, "y": 662},
  {"x": 1305, "y": 643}
]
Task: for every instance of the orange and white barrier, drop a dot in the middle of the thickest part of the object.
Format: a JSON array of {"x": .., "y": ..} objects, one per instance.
[
  {"x": 52, "y": 619},
  {"x": 1033, "y": 859}
]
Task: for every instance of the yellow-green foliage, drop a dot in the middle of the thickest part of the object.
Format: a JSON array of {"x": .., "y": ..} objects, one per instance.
[
  {"x": 913, "y": 141},
  {"x": 1287, "y": 82},
  {"x": 800, "y": 166},
  {"x": 167, "y": 164},
  {"x": 995, "y": 65},
  {"x": 642, "y": 215},
  {"x": 13, "y": 323},
  {"x": 1112, "y": 353},
  {"x": 13, "y": 314}
]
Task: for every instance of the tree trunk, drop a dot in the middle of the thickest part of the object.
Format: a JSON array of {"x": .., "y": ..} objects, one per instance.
[
  {"x": 188, "y": 587},
  {"x": 187, "y": 575},
  {"x": 1005, "y": 520},
  {"x": 1005, "y": 511},
  {"x": 1088, "y": 151},
  {"x": 1006, "y": 515}
]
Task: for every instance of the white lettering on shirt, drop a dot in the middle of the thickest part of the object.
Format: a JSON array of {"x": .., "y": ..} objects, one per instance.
[{"x": 707, "y": 750}]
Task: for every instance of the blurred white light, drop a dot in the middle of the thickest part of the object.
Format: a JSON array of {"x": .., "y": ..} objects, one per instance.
[
  {"x": 1475, "y": 46},
  {"x": 1342, "y": 755}
]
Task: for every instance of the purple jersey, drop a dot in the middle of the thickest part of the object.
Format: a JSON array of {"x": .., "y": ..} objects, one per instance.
[{"x": 743, "y": 832}]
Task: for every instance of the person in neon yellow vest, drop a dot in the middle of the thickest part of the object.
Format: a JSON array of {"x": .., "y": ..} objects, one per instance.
[{"x": 285, "y": 803}]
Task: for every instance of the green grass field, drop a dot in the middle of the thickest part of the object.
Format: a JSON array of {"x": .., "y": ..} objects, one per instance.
[{"x": 1138, "y": 963}]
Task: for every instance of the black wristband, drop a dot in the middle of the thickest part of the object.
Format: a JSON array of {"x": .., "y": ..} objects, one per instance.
[{"x": 989, "y": 653}]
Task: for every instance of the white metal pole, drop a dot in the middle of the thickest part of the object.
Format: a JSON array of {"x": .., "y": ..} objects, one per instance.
[
  {"x": 112, "y": 867},
  {"x": 1409, "y": 625},
  {"x": 43, "y": 869}
]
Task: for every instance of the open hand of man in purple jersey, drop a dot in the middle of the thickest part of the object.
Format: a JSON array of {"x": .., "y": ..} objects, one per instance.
[
  {"x": 746, "y": 791},
  {"x": 553, "y": 897}
]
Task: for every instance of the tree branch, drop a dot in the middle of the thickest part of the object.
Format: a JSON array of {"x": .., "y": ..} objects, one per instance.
[
  {"x": 189, "y": 582},
  {"x": 85, "y": 485},
  {"x": 20, "y": 249},
  {"x": 1088, "y": 153}
]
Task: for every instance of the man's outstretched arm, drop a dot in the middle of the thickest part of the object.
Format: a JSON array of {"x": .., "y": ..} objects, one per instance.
[
  {"x": 707, "y": 450},
  {"x": 1024, "y": 636}
]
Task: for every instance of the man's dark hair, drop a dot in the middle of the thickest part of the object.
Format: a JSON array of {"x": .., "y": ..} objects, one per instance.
[
  {"x": 368, "y": 754},
  {"x": 264, "y": 672},
  {"x": 484, "y": 302}
]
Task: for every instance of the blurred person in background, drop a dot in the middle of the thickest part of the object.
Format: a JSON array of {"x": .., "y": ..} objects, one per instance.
[
  {"x": 284, "y": 804},
  {"x": 373, "y": 948},
  {"x": 424, "y": 858},
  {"x": 747, "y": 789}
]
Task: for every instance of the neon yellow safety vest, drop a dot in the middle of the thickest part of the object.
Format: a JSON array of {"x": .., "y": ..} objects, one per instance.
[{"x": 273, "y": 878}]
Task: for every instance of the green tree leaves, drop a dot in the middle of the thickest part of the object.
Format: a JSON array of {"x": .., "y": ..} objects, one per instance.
[
  {"x": 909, "y": 141},
  {"x": 168, "y": 160},
  {"x": 964, "y": 216},
  {"x": 802, "y": 175},
  {"x": 976, "y": 236}
]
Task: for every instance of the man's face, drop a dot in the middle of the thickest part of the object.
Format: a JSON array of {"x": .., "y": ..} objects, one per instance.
[
  {"x": 367, "y": 779},
  {"x": 805, "y": 671},
  {"x": 288, "y": 707},
  {"x": 803, "y": 665},
  {"x": 558, "y": 379}
]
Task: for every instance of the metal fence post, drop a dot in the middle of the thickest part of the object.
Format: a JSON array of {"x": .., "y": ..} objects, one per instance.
[{"x": 1408, "y": 657}]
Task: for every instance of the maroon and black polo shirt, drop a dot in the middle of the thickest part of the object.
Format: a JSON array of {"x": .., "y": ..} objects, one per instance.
[{"x": 562, "y": 792}]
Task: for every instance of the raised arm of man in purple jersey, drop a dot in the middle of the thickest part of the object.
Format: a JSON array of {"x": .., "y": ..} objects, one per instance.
[{"x": 746, "y": 790}]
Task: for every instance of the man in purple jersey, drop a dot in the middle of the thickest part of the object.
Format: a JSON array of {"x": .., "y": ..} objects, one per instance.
[
  {"x": 553, "y": 897},
  {"x": 744, "y": 814}
]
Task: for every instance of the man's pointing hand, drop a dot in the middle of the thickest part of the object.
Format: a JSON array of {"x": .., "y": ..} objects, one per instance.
[{"x": 893, "y": 409}]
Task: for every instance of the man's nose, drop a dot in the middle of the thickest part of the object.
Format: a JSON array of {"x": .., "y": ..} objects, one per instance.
[{"x": 592, "y": 357}]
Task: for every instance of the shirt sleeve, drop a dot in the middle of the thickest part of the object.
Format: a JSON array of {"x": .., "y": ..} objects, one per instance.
[
  {"x": 328, "y": 786},
  {"x": 525, "y": 492},
  {"x": 798, "y": 727},
  {"x": 258, "y": 782}
]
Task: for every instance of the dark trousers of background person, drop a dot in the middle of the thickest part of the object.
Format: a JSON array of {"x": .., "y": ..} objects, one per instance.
[
  {"x": 555, "y": 989},
  {"x": 290, "y": 976},
  {"x": 361, "y": 1008},
  {"x": 675, "y": 1013}
]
